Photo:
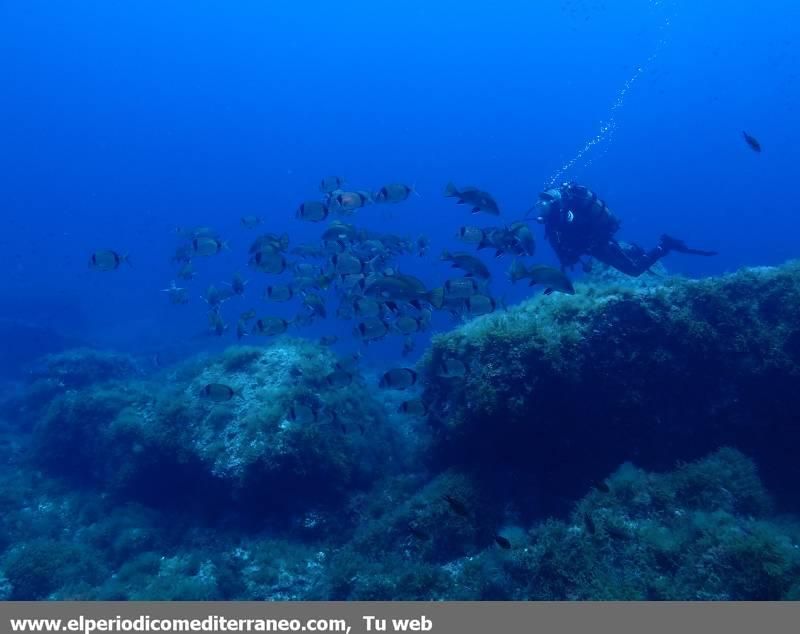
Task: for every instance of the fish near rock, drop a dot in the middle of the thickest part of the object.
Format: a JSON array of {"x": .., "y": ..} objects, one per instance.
[
  {"x": 552, "y": 279},
  {"x": 398, "y": 379},
  {"x": 217, "y": 392}
]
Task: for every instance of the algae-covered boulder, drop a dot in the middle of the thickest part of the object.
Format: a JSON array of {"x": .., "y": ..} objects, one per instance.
[
  {"x": 287, "y": 435},
  {"x": 561, "y": 389},
  {"x": 699, "y": 532}
]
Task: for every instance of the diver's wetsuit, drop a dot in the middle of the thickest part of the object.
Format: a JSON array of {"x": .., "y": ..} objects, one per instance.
[{"x": 578, "y": 223}]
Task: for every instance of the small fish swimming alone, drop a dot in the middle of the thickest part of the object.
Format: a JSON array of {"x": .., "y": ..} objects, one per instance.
[
  {"x": 478, "y": 200},
  {"x": 393, "y": 193},
  {"x": 250, "y": 222},
  {"x": 107, "y": 260},
  {"x": 502, "y": 542},
  {"x": 217, "y": 392},
  {"x": 753, "y": 142},
  {"x": 398, "y": 379},
  {"x": 456, "y": 505}
]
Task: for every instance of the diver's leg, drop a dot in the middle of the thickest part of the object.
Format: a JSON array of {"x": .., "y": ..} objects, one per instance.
[{"x": 630, "y": 259}]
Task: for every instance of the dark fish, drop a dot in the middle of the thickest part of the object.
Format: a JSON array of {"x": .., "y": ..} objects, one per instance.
[
  {"x": 302, "y": 413},
  {"x": 315, "y": 304},
  {"x": 270, "y": 242},
  {"x": 279, "y": 293},
  {"x": 602, "y": 486},
  {"x": 551, "y": 278},
  {"x": 312, "y": 211},
  {"x": 271, "y": 262},
  {"x": 187, "y": 271},
  {"x": 346, "y": 264},
  {"x": 406, "y": 324},
  {"x": 107, "y": 260},
  {"x": 461, "y": 287},
  {"x": 217, "y": 392},
  {"x": 238, "y": 284},
  {"x": 176, "y": 294},
  {"x": 525, "y": 241},
  {"x": 456, "y": 505},
  {"x": 183, "y": 254},
  {"x": 471, "y": 265},
  {"x": 473, "y": 235},
  {"x": 398, "y": 379},
  {"x": 518, "y": 271},
  {"x": 270, "y": 326},
  {"x": 214, "y": 297},
  {"x": 215, "y": 323},
  {"x": 478, "y": 200},
  {"x": 330, "y": 184},
  {"x": 478, "y": 305},
  {"x": 370, "y": 329},
  {"x": 752, "y": 142},
  {"x": 190, "y": 233},
  {"x": 339, "y": 378},
  {"x": 393, "y": 193},
  {"x": 350, "y": 201},
  {"x": 451, "y": 368},
  {"x": 413, "y": 407},
  {"x": 205, "y": 246},
  {"x": 502, "y": 542}
]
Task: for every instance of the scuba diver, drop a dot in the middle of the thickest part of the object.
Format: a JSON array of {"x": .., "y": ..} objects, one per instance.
[{"x": 577, "y": 223}]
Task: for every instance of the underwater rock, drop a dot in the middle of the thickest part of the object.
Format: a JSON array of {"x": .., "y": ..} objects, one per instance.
[
  {"x": 690, "y": 534},
  {"x": 561, "y": 389},
  {"x": 80, "y": 367},
  {"x": 164, "y": 441},
  {"x": 5, "y": 588}
]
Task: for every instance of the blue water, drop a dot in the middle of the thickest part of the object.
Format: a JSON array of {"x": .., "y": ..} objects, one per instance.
[{"x": 120, "y": 122}]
